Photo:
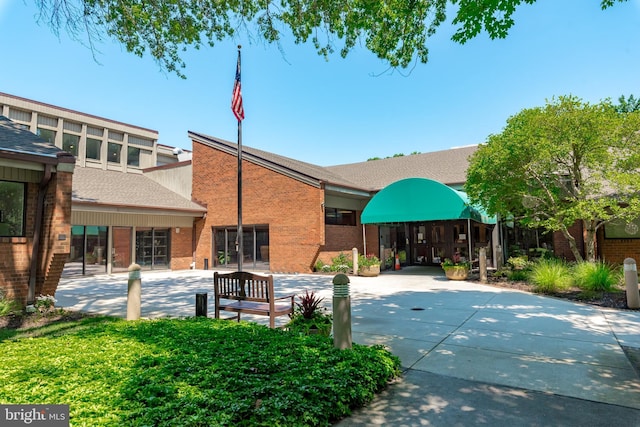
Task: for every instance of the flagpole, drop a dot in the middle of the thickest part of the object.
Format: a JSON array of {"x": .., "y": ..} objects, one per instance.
[{"x": 240, "y": 236}]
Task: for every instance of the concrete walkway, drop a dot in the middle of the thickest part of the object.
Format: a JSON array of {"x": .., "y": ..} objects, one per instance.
[{"x": 471, "y": 354}]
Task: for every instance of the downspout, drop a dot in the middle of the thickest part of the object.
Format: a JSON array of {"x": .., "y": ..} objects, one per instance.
[{"x": 33, "y": 267}]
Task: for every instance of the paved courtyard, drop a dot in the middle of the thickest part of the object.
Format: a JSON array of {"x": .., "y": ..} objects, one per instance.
[{"x": 471, "y": 354}]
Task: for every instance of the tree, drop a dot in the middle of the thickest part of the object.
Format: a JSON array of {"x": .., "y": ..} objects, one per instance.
[
  {"x": 395, "y": 30},
  {"x": 563, "y": 163},
  {"x": 628, "y": 105}
]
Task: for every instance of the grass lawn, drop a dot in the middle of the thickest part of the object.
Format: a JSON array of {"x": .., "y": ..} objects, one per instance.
[{"x": 188, "y": 372}]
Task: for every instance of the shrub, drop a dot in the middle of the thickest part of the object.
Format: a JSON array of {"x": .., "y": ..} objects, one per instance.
[
  {"x": 519, "y": 262},
  {"x": 596, "y": 276},
  {"x": 368, "y": 261},
  {"x": 7, "y": 306},
  {"x": 341, "y": 263},
  {"x": 192, "y": 372},
  {"x": 549, "y": 275},
  {"x": 518, "y": 275}
]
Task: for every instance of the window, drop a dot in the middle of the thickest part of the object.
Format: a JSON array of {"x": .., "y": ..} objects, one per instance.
[
  {"x": 70, "y": 143},
  {"x": 114, "y": 152},
  {"x": 93, "y": 148},
  {"x": 12, "y": 208},
  {"x": 337, "y": 216},
  {"x": 47, "y": 134},
  {"x": 133, "y": 156}
]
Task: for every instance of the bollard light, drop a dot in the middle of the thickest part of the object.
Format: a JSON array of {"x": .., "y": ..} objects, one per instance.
[
  {"x": 341, "y": 312},
  {"x": 631, "y": 283}
]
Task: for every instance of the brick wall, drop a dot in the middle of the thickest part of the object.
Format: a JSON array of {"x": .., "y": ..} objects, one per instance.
[
  {"x": 181, "y": 248},
  {"x": 55, "y": 244},
  {"x": 55, "y": 241},
  {"x": 340, "y": 238},
  {"x": 561, "y": 245},
  {"x": 291, "y": 209},
  {"x": 616, "y": 250}
]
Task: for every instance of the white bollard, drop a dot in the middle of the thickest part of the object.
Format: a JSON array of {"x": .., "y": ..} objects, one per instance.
[
  {"x": 631, "y": 283},
  {"x": 134, "y": 293},
  {"x": 354, "y": 255},
  {"x": 483, "y": 265}
]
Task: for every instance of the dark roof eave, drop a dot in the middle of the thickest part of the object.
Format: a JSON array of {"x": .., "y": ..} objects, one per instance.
[{"x": 45, "y": 159}]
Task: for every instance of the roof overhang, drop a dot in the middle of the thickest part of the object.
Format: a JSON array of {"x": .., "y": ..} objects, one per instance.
[{"x": 420, "y": 199}]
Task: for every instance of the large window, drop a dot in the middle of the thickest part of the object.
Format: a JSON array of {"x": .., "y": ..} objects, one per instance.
[
  {"x": 70, "y": 143},
  {"x": 337, "y": 216},
  {"x": 47, "y": 134},
  {"x": 12, "y": 208},
  {"x": 133, "y": 156},
  {"x": 93, "y": 148},
  {"x": 115, "y": 151}
]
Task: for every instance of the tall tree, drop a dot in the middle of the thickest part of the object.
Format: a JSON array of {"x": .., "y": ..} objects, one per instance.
[
  {"x": 563, "y": 163},
  {"x": 627, "y": 105},
  {"x": 395, "y": 30}
]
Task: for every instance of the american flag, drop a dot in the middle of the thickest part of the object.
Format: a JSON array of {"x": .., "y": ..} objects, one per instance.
[{"x": 236, "y": 99}]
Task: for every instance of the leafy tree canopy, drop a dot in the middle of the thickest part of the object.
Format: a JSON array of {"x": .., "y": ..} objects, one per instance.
[
  {"x": 395, "y": 30},
  {"x": 565, "y": 162},
  {"x": 627, "y": 105}
]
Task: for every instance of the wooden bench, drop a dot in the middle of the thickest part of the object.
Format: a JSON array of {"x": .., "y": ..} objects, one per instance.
[{"x": 242, "y": 292}]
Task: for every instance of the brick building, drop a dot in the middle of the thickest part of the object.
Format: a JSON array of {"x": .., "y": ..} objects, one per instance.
[{"x": 35, "y": 212}]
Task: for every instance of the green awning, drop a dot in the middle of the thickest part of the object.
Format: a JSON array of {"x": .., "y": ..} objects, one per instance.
[{"x": 420, "y": 199}]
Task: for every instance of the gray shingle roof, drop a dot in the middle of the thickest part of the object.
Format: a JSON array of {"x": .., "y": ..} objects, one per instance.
[
  {"x": 446, "y": 166},
  {"x": 14, "y": 139},
  {"x": 277, "y": 162},
  {"x": 126, "y": 189}
]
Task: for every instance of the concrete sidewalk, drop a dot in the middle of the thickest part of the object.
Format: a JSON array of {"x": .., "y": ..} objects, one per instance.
[{"x": 471, "y": 354}]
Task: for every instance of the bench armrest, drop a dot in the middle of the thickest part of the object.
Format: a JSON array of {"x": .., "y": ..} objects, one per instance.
[{"x": 287, "y": 297}]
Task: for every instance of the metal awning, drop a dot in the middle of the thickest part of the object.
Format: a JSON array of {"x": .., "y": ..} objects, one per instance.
[{"x": 420, "y": 199}]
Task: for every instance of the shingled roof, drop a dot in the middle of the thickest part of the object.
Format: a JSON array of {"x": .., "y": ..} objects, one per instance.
[
  {"x": 127, "y": 189},
  {"x": 447, "y": 166},
  {"x": 310, "y": 173},
  {"x": 19, "y": 143}
]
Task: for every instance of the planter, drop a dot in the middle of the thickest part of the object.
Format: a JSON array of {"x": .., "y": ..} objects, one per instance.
[
  {"x": 456, "y": 273},
  {"x": 369, "y": 270}
]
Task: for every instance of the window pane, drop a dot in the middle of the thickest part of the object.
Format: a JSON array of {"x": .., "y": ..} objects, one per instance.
[
  {"x": 93, "y": 148},
  {"x": 335, "y": 216},
  {"x": 12, "y": 208},
  {"x": 114, "y": 152},
  {"x": 49, "y": 135},
  {"x": 133, "y": 156},
  {"x": 70, "y": 143}
]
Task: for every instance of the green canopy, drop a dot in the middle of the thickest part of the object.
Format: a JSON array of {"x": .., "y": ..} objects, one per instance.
[{"x": 420, "y": 199}]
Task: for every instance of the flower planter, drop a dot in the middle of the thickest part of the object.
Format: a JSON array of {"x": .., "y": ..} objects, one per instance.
[
  {"x": 369, "y": 270},
  {"x": 456, "y": 273}
]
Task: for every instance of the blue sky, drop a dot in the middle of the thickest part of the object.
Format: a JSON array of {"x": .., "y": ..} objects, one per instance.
[{"x": 344, "y": 110}]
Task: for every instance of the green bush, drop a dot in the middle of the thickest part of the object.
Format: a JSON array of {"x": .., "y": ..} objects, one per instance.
[
  {"x": 7, "y": 306},
  {"x": 191, "y": 372},
  {"x": 341, "y": 263},
  {"x": 518, "y": 275},
  {"x": 596, "y": 276},
  {"x": 550, "y": 275},
  {"x": 519, "y": 262}
]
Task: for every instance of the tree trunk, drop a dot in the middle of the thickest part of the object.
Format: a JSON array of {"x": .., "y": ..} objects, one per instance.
[
  {"x": 572, "y": 244},
  {"x": 590, "y": 243}
]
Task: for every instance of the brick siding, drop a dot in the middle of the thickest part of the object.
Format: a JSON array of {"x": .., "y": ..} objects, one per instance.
[
  {"x": 55, "y": 242},
  {"x": 291, "y": 209}
]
